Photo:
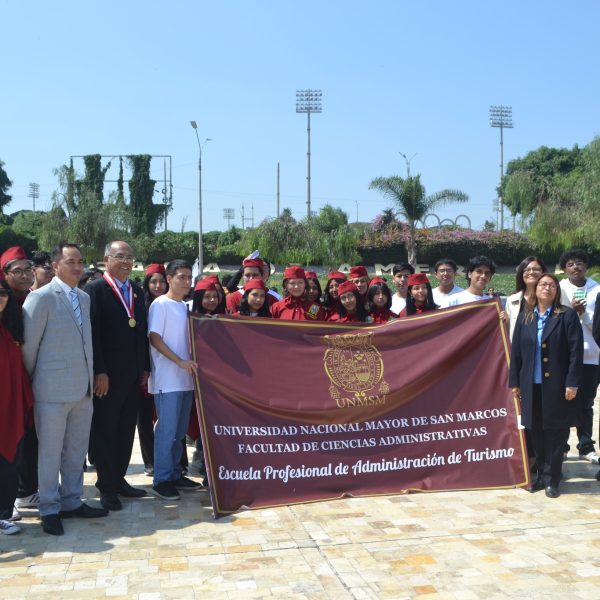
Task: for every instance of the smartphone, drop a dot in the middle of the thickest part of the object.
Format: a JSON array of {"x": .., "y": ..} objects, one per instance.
[{"x": 580, "y": 296}]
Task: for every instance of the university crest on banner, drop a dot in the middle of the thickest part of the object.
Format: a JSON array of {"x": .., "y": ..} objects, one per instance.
[{"x": 353, "y": 364}]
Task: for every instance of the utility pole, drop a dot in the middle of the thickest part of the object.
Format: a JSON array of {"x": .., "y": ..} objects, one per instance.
[
  {"x": 308, "y": 101},
  {"x": 245, "y": 218},
  {"x": 501, "y": 117},
  {"x": 277, "y": 189},
  {"x": 34, "y": 193}
]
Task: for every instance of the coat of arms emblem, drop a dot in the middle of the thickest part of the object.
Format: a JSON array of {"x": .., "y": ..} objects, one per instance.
[{"x": 353, "y": 364}]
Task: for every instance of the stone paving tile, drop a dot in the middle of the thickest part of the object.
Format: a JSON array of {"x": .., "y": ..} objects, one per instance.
[{"x": 461, "y": 545}]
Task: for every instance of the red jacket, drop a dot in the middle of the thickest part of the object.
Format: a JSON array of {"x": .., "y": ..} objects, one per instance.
[{"x": 294, "y": 309}]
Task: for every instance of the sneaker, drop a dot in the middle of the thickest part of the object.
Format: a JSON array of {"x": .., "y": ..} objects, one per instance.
[
  {"x": 8, "y": 528},
  {"x": 184, "y": 483},
  {"x": 32, "y": 501},
  {"x": 165, "y": 490},
  {"x": 16, "y": 516},
  {"x": 149, "y": 471},
  {"x": 592, "y": 456}
]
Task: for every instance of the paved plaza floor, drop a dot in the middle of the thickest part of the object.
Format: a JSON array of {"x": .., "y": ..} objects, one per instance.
[{"x": 459, "y": 545}]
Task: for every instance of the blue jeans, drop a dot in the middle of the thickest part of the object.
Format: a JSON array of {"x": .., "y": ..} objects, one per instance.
[{"x": 173, "y": 412}]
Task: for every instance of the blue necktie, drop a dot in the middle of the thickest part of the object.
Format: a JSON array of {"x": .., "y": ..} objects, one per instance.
[
  {"x": 76, "y": 307},
  {"x": 125, "y": 289}
]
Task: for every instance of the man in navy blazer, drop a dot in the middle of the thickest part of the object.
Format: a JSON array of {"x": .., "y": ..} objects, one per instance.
[
  {"x": 121, "y": 364},
  {"x": 59, "y": 358}
]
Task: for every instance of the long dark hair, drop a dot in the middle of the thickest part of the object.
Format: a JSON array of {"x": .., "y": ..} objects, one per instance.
[
  {"x": 361, "y": 311},
  {"x": 320, "y": 291},
  {"x": 411, "y": 307},
  {"x": 197, "y": 303},
  {"x": 148, "y": 297},
  {"x": 557, "y": 306},
  {"x": 328, "y": 302},
  {"x": 519, "y": 283},
  {"x": 372, "y": 292},
  {"x": 12, "y": 317},
  {"x": 264, "y": 311}
]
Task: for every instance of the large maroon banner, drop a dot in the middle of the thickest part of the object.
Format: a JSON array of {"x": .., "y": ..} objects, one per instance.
[{"x": 296, "y": 412}]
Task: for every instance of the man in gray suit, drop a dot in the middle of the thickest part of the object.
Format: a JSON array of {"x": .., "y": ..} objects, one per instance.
[{"x": 58, "y": 356}]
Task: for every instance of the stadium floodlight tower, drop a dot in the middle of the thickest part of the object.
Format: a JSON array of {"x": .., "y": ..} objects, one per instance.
[
  {"x": 501, "y": 116},
  {"x": 308, "y": 101}
]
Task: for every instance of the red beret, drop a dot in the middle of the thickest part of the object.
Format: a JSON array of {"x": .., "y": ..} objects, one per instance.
[
  {"x": 336, "y": 275},
  {"x": 377, "y": 280},
  {"x": 155, "y": 268},
  {"x": 358, "y": 271},
  {"x": 347, "y": 286},
  {"x": 14, "y": 253},
  {"x": 311, "y": 275},
  {"x": 206, "y": 284},
  {"x": 418, "y": 279},
  {"x": 294, "y": 273},
  {"x": 257, "y": 263},
  {"x": 255, "y": 284}
]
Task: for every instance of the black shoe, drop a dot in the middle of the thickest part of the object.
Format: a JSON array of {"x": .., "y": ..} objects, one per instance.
[
  {"x": 184, "y": 483},
  {"x": 128, "y": 491},
  {"x": 110, "y": 501},
  {"x": 165, "y": 490},
  {"x": 552, "y": 492},
  {"x": 84, "y": 511},
  {"x": 51, "y": 524},
  {"x": 537, "y": 485}
]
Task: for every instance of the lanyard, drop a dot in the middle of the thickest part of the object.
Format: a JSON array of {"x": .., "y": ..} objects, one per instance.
[{"x": 118, "y": 292}]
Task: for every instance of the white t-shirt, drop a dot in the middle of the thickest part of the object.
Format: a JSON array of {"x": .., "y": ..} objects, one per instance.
[
  {"x": 398, "y": 304},
  {"x": 169, "y": 318},
  {"x": 591, "y": 351},
  {"x": 442, "y": 299},
  {"x": 465, "y": 297}
]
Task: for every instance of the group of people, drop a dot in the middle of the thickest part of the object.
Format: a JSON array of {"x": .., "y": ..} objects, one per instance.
[{"x": 84, "y": 366}]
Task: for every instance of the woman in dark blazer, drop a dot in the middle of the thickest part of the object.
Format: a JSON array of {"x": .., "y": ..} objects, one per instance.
[{"x": 545, "y": 372}]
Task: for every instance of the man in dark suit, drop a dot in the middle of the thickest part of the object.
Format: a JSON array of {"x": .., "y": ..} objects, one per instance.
[{"x": 121, "y": 363}]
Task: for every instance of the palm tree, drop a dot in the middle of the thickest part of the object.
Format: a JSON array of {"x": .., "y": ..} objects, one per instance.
[{"x": 409, "y": 196}]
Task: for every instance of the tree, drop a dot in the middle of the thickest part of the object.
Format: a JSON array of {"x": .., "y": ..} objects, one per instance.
[
  {"x": 145, "y": 216},
  {"x": 5, "y": 184},
  {"x": 413, "y": 204}
]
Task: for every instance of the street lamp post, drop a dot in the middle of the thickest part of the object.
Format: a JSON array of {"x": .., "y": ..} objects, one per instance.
[
  {"x": 501, "y": 116},
  {"x": 200, "y": 146}
]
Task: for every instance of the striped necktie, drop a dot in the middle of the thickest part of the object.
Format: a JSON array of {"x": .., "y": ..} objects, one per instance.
[{"x": 76, "y": 307}]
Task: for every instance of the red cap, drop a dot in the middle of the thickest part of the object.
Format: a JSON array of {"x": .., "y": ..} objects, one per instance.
[
  {"x": 336, "y": 275},
  {"x": 254, "y": 262},
  {"x": 255, "y": 284},
  {"x": 311, "y": 275},
  {"x": 206, "y": 284},
  {"x": 358, "y": 271},
  {"x": 417, "y": 279},
  {"x": 347, "y": 286},
  {"x": 377, "y": 280},
  {"x": 155, "y": 268},
  {"x": 214, "y": 279},
  {"x": 294, "y": 273},
  {"x": 14, "y": 253}
]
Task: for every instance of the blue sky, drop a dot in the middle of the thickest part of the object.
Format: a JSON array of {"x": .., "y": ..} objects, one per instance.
[{"x": 396, "y": 76}]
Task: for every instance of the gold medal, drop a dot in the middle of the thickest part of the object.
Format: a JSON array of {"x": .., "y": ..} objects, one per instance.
[{"x": 131, "y": 322}]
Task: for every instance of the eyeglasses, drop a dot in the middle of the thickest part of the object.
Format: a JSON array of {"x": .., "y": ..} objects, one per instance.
[
  {"x": 122, "y": 257},
  {"x": 575, "y": 263},
  {"x": 21, "y": 272},
  {"x": 551, "y": 286},
  {"x": 532, "y": 270}
]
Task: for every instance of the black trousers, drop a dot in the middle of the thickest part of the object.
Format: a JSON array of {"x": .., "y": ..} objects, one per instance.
[
  {"x": 584, "y": 405},
  {"x": 28, "y": 463},
  {"x": 9, "y": 483},
  {"x": 548, "y": 444},
  {"x": 113, "y": 432},
  {"x": 145, "y": 428}
]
